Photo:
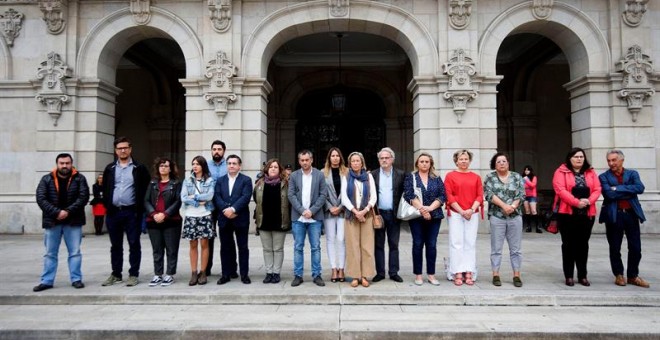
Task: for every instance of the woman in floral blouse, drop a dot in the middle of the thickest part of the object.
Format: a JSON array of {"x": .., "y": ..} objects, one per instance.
[{"x": 505, "y": 192}]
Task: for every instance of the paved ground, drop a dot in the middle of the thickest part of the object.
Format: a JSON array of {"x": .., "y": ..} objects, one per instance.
[{"x": 543, "y": 308}]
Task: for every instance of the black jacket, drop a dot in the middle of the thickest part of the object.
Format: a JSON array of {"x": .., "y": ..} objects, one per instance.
[
  {"x": 171, "y": 196},
  {"x": 141, "y": 179},
  {"x": 77, "y": 197},
  {"x": 397, "y": 185}
]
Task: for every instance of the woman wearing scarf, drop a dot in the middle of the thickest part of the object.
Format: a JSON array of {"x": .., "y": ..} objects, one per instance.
[
  {"x": 272, "y": 216},
  {"x": 358, "y": 195}
]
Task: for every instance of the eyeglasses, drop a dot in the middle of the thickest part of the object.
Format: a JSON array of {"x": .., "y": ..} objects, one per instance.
[
  {"x": 578, "y": 156},
  {"x": 385, "y": 157},
  {"x": 123, "y": 148},
  {"x": 502, "y": 161}
]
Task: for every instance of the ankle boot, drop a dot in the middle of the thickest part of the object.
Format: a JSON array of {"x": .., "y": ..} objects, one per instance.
[
  {"x": 537, "y": 224},
  {"x": 201, "y": 279},
  {"x": 193, "y": 279},
  {"x": 527, "y": 224}
]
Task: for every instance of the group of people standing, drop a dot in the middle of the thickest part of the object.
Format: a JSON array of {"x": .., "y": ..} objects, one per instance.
[{"x": 344, "y": 199}]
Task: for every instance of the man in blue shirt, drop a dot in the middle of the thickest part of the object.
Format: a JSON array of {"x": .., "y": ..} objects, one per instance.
[{"x": 218, "y": 168}]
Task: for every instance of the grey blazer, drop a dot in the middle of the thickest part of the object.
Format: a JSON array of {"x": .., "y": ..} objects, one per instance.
[
  {"x": 318, "y": 197},
  {"x": 334, "y": 197}
]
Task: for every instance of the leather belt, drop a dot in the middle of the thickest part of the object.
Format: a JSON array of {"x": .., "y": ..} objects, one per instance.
[{"x": 125, "y": 207}]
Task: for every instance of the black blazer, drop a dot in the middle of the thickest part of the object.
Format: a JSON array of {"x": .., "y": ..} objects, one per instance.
[
  {"x": 397, "y": 185},
  {"x": 239, "y": 199}
]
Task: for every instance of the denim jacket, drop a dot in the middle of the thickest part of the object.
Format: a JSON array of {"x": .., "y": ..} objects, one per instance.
[{"x": 203, "y": 192}]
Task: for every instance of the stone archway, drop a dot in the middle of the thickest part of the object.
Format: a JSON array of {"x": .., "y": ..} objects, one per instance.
[
  {"x": 98, "y": 59},
  {"x": 312, "y": 17}
]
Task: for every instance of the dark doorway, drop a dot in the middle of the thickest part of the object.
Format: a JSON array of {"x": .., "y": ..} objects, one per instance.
[
  {"x": 151, "y": 108},
  {"x": 359, "y": 126},
  {"x": 533, "y": 107}
]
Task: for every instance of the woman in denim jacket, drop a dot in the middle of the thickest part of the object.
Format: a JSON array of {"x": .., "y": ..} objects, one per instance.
[{"x": 197, "y": 203}]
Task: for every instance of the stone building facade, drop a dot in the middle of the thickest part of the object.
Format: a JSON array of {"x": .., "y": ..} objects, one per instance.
[{"x": 530, "y": 78}]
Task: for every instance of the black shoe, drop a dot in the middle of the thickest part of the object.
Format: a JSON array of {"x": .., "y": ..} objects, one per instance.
[
  {"x": 584, "y": 282},
  {"x": 223, "y": 279},
  {"x": 319, "y": 281},
  {"x": 275, "y": 278},
  {"x": 396, "y": 278},
  {"x": 234, "y": 275},
  {"x": 570, "y": 282},
  {"x": 78, "y": 284},
  {"x": 246, "y": 279},
  {"x": 297, "y": 281},
  {"x": 378, "y": 277},
  {"x": 41, "y": 287},
  {"x": 269, "y": 278}
]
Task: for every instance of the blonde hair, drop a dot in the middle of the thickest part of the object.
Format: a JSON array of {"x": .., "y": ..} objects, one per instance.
[
  {"x": 359, "y": 154},
  {"x": 460, "y": 153},
  {"x": 432, "y": 169}
]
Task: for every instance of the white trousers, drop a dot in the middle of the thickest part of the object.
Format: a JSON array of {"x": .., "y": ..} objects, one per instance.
[
  {"x": 462, "y": 243},
  {"x": 334, "y": 235}
]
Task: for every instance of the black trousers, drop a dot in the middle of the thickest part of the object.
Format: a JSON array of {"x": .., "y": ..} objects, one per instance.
[
  {"x": 165, "y": 238},
  {"x": 228, "y": 248},
  {"x": 391, "y": 230},
  {"x": 575, "y": 233}
]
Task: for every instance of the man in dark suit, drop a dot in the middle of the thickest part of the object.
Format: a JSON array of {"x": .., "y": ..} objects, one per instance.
[
  {"x": 232, "y": 199},
  {"x": 622, "y": 214},
  {"x": 389, "y": 185},
  {"x": 307, "y": 194}
]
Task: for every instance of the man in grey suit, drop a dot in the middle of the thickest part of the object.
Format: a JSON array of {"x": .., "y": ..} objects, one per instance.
[
  {"x": 389, "y": 185},
  {"x": 307, "y": 194}
]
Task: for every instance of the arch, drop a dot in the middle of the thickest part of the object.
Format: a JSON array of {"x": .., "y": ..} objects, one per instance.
[
  {"x": 5, "y": 61},
  {"x": 365, "y": 16},
  {"x": 102, "y": 49},
  {"x": 573, "y": 31}
]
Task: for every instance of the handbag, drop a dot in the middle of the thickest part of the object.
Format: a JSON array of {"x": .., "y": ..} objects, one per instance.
[
  {"x": 406, "y": 211},
  {"x": 552, "y": 227},
  {"x": 378, "y": 219}
]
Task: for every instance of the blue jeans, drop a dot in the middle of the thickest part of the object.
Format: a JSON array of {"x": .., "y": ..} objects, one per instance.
[
  {"x": 52, "y": 239},
  {"x": 424, "y": 234},
  {"x": 300, "y": 230}
]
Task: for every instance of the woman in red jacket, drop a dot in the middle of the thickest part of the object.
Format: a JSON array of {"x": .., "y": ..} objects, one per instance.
[{"x": 576, "y": 188}]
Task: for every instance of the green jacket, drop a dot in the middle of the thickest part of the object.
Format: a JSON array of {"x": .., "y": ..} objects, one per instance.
[{"x": 258, "y": 195}]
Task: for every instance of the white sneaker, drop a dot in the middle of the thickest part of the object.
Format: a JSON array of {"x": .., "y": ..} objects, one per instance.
[
  {"x": 167, "y": 280},
  {"x": 155, "y": 281}
]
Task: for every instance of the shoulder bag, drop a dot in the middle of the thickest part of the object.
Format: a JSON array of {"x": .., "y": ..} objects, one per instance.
[
  {"x": 406, "y": 211},
  {"x": 378, "y": 219}
]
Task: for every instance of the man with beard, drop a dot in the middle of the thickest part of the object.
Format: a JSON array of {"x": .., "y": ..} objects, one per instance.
[
  {"x": 218, "y": 168},
  {"x": 62, "y": 195},
  {"x": 125, "y": 184}
]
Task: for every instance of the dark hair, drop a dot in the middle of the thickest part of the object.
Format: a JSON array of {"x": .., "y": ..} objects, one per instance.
[
  {"x": 585, "y": 166},
  {"x": 219, "y": 142},
  {"x": 279, "y": 165},
  {"x": 206, "y": 173},
  {"x": 174, "y": 170},
  {"x": 63, "y": 155},
  {"x": 122, "y": 139},
  {"x": 343, "y": 170},
  {"x": 235, "y": 156},
  {"x": 531, "y": 172},
  {"x": 493, "y": 160}
]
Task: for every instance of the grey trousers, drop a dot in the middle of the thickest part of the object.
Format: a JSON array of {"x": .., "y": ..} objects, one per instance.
[
  {"x": 273, "y": 244},
  {"x": 511, "y": 230}
]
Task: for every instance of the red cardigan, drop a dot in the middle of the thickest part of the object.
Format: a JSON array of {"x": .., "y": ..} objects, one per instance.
[{"x": 564, "y": 180}]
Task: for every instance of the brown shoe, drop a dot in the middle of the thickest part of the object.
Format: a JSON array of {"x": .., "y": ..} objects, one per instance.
[
  {"x": 620, "y": 281},
  {"x": 638, "y": 281},
  {"x": 193, "y": 279},
  {"x": 201, "y": 279}
]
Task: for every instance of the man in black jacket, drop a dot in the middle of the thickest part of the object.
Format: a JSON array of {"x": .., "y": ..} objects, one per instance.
[
  {"x": 389, "y": 184},
  {"x": 62, "y": 195},
  {"x": 125, "y": 183}
]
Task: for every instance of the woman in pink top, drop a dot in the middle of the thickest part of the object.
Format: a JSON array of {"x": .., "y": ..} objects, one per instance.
[
  {"x": 465, "y": 197},
  {"x": 576, "y": 190},
  {"x": 531, "y": 215}
]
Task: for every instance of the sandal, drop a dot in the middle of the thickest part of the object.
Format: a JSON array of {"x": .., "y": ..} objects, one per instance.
[
  {"x": 334, "y": 278},
  {"x": 365, "y": 283},
  {"x": 458, "y": 279},
  {"x": 354, "y": 283},
  {"x": 468, "y": 279},
  {"x": 340, "y": 275}
]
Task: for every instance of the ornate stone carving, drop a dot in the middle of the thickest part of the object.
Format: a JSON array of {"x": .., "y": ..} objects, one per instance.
[
  {"x": 53, "y": 93},
  {"x": 636, "y": 68},
  {"x": 339, "y": 8},
  {"x": 459, "y": 13},
  {"x": 10, "y": 23},
  {"x": 220, "y": 14},
  {"x": 54, "y": 15},
  {"x": 460, "y": 69},
  {"x": 541, "y": 9},
  {"x": 141, "y": 10},
  {"x": 220, "y": 71},
  {"x": 634, "y": 12}
]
